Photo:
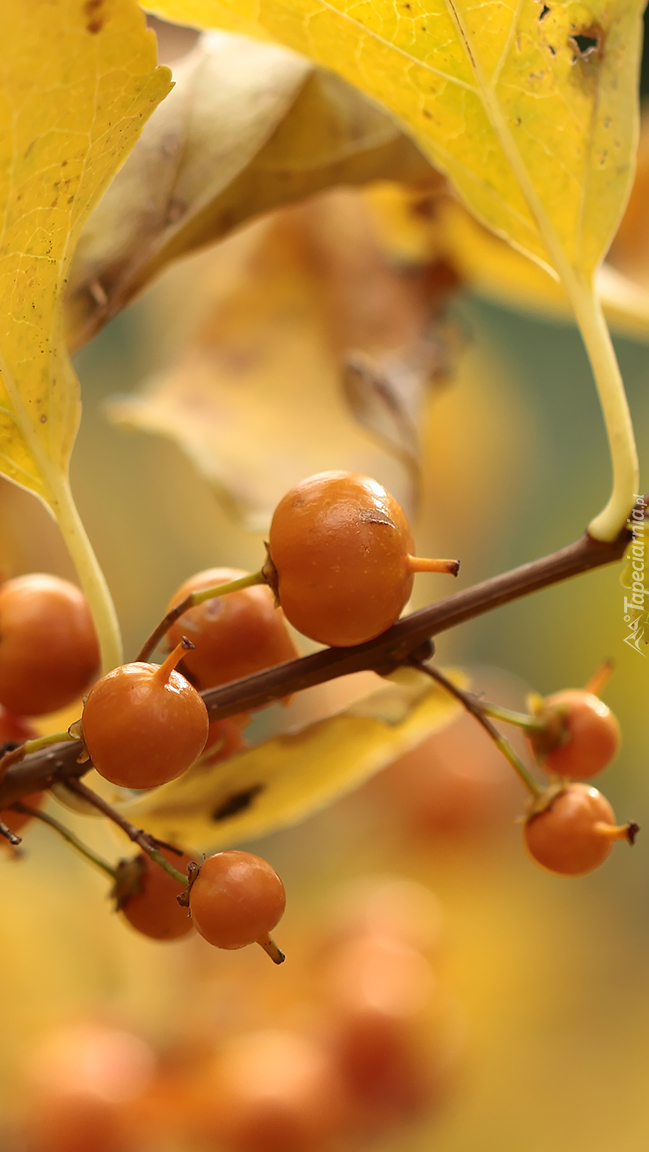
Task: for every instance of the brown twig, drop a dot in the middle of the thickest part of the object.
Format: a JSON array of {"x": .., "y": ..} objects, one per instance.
[
  {"x": 389, "y": 650},
  {"x": 144, "y": 840}
]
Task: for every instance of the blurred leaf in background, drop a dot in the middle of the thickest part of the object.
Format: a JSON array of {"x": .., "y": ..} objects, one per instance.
[
  {"x": 247, "y": 128},
  {"x": 300, "y": 314}
]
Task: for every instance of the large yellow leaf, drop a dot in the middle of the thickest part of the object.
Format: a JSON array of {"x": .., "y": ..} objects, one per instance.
[
  {"x": 77, "y": 81},
  {"x": 286, "y": 778},
  {"x": 248, "y": 127},
  {"x": 530, "y": 107}
]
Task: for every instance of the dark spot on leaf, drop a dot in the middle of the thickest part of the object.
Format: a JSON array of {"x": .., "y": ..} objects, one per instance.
[
  {"x": 237, "y": 802},
  {"x": 552, "y": 49},
  {"x": 588, "y": 43},
  {"x": 544, "y": 12},
  {"x": 427, "y": 114},
  {"x": 43, "y": 419},
  {"x": 95, "y": 19},
  {"x": 375, "y": 516}
]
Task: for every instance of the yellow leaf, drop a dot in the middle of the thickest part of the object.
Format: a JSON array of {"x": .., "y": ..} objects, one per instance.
[
  {"x": 529, "y": 107},
  {"x": 422, "y": 224},
  {"x": 295, "y": 310},
  {"x": 77, "y": 81},
  {"x": 249, "y": 127},
  {"x": 286, "y": 778}
]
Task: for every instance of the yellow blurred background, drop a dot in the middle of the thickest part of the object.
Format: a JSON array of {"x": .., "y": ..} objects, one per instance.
[{"x": 551, "y": 975}]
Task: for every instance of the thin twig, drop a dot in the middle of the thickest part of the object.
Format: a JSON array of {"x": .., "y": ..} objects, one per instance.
[
  {"x": 388, "y": 650},
  {"x": 191, "y": 601},
  {"x": 473, "y": 705},
  {"x": 144, "y": 840},
  {"x": 69, "y": 836},
  {"x": 5, "y": 831}
]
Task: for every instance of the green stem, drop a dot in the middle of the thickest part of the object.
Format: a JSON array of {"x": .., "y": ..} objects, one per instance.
[
  {"x": 144, "y": 841},
  {"x": 624, "y": 457},
  {"x": 80, "y": 847},
  {"x": 191, "y": 601},
  {"x": 520, "y": 719},
  {"x": 90, "y": 575},
  {"x": 474, "y": 706}
]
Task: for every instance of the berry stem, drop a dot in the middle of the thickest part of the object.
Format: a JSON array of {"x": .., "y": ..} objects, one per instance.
[
  {"x": 626, "y": 832},
  {"x": 615, "y": 409},
  {"x": 70, "y": 837},
  {"x": 192, "y": 601},
  {"x": 600, "y": 678},
  {"x": 473, "y": 705},
  {"x": 520, "y": 719},
  {"x": 421, "y": 564},
  {"x": 270, "y": 948},
  {"x": 145, "y": 841},
  {"x": 163, "y": 673},
  {"x": 90, "y": 575}
]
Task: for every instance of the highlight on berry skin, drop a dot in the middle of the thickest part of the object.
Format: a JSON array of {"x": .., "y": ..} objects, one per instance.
[
  {"x": 571, "y": 831},
  {"x": 341, "y": 558}
]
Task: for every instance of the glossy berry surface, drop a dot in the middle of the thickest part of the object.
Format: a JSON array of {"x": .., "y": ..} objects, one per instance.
[
  {"x": 592, "y": 731},
  {"x": 233, "y": 635},
  {"x": 154, "y": 910},
  {"x": 143, "y": 728},
  {"x": 575, "y": 834},
  {"x": 341, "y": 547},
  {"x": 48, "y": 648},
  {"x": 237, "y": 899}
]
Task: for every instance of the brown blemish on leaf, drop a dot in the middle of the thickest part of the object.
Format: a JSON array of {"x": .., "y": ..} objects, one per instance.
[
  {"x": 588, "y": 44},
  {"x": 237, "y": 802},
  {"x": 96, "y": 20}
]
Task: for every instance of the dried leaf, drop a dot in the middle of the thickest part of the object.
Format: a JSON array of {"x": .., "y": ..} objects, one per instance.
[
  {"x": 248, "y": 127},
  {"x": 292, "y": 775},
  {"x": 76, "y": 82},
  {"x": 257, "y": 400},
  {"x": 529, "y": 107}
]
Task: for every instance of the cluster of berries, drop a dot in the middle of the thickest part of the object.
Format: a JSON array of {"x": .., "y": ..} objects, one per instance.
[
  {"x": 341, "y": 565},
  {"x": 571, "y": 829},
  {"x": 366, "y": 1043}
]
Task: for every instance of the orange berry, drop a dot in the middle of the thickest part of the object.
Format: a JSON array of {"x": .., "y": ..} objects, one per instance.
[
  {"x": 236, "y": 899},
  {"x": 342, "y": 552},
  {"x": 48, "y": 647},
  {"x": 575, "y": 833},
  {"x": 233, "y": 635},
  {"x": 590, "y": 730},
  {"x": 154, "y": 910},
  {"x": 378, "y": 987},
  {"x": 271, "y": 1091},
  {"x": 144, "y": 724}
]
